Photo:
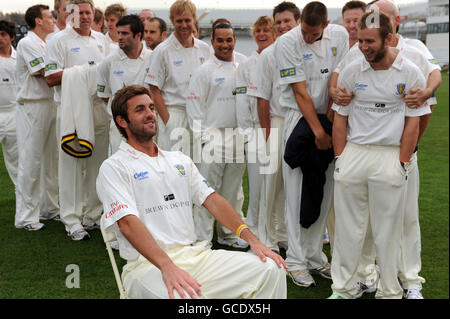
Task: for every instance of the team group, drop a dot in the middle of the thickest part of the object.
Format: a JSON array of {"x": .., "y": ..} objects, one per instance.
[{"x": 341, "y": 109}]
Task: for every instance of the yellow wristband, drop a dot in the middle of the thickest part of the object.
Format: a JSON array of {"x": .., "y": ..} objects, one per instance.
[{"x": 240, "y": 228}]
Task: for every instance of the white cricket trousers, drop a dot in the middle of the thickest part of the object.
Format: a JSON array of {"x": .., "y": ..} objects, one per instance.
[
  {"x": 175, "y": 135},
  {"x": 255, "y": 180},
  {"x": 304, "y": 244},
  {"x": 223, "y": 274},
  {"x": 36, "y": 133},
  {"x": 272, "y": 227},
  {"x": 225, "y": 179},
  {"x": 370, "y": 185},
  {"x": 8, "y": 139},
  {"x": 79, "y": 203},
  {"x": 410, "y": 262}
]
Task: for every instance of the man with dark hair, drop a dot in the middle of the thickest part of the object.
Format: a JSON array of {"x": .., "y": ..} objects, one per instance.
[
  {"x": 351, "y": 12},
  {"x": 36, "y": 117},
  {"x": 8, "y": 89},
  {"x": 373, "y": 139},
  {"x": 286, "y": 16},
  {"x": 127, "y": 65},
  {"x": 155, "y": 32},
  {"x": 306, "y": 55},
  {"x": 79, "y": 45},
  {"x": 147, "y": 194},
  {"x": 271, "y": 220}
]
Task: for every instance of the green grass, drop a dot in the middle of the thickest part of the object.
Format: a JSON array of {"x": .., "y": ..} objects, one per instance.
[{"x": 33, "y": 264}]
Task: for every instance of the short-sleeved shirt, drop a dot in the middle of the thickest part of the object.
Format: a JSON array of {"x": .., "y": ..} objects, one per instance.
[
  {"x": 159, "y": 190},
  {"x": 111, "y": 46},
  {"x": 172, "y": 67},
  {"x": 30, "y": 60},
  {"x": 67, "y": 48},
  {"x": 265, "y": 80},
  {"x": 117, "y": 71},
  {"x": 210, "y": 96},
  {"x": 419, "y": 58},
  {"x": 313, "y": 63},
  {"x": 8, "y": 88},
  {"x": 376, "y": 114},
  {"x": 246, "y": 105}
]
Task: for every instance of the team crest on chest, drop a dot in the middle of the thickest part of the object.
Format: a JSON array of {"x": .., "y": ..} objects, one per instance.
[
  {"x": 100, "y": 47},
  {"x": 334, "y": 51},
  {"x": 180, "y": 169},
  {"x": 401, "y": 88},
  {"x": 202, "y": 60}
]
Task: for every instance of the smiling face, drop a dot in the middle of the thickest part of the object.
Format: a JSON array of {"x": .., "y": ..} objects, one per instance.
[
  {"x": 152, "y": 34},
  {"x": 223, "y": 44},
  {"x": 350, "y": 18},
  {"x": 141, "y": 125},
  {"x": 284, "y": 21},
  {"x": 264, "y": 36},
  {"x": 183, "y": 24},
  {"x": 372, "y": 45}
]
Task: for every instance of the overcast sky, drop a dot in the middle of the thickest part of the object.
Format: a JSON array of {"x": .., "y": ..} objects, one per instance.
[{"x": 22, "y": 5}]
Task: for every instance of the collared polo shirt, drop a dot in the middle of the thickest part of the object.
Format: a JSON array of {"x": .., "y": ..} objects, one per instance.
[{"x": 8, "y": 83}]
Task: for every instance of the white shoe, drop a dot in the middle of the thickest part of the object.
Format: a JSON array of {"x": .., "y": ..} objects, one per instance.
[
  {"x": 35, "y": 226},
  {"x": 302, "y": 278},
  {"x": 324, "y": 271},
  {"x": 236, "y": 243},
  {"x": 363, "y": 288},
  {"x": 412, "y": 294},
  {"x": 80, "y": 234}
]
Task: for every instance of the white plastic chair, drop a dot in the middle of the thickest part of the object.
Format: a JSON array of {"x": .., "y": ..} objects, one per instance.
[{"x": 109, "y": 237}]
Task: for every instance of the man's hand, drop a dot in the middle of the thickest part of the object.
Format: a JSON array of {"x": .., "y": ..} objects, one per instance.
[
  {"x": 330, "y": 115},
  {"x": 417, "y": 97},
  {"x": 261, "y": 250},
  {"x": 341, "y": 96},
  {"x": 323, "y": 141},
  {"x": 176, "y": 278}
]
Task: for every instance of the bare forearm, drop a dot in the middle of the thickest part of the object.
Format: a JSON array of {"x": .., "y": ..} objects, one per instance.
[
  {"x": 264, "y": 115},
  {"x": 409, "y": 138},
  {"x": 141, "y": 239},
  {"x": 423, "y": 124},
  {"x": 339, "y": 133},
  {"x": 223, "y": 212},
  {"x": 54, "y": 79},
  {"x": 434, "y": 81},
  {"x": 159, "y": 103}
]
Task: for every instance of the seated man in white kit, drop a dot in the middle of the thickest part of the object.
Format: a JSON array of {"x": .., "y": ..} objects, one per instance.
[
  {"x": 373, "y": 138},
  {"x": 147, "y": 196}
]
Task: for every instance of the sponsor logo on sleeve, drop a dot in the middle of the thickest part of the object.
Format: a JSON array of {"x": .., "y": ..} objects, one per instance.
[
  {"x": 287, "y": 72},
  {"x": 115, "y": 207},
  {"x": 207, "y": 183},
  {"x": 100, "y": 88},
  {"x": 241, "y": 90},
  {"x": 433, "y": 61},
  {"x": 51, "y": 66},
  {"x": 36, "y": 61}
]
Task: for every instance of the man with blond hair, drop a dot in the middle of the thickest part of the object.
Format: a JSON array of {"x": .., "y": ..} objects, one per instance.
[
  {"x": 79, "y": 45},
  {"x": 60, "y": 7},
  {"x": 113, "y": 14},
  {"x": 172, "y": 65}
]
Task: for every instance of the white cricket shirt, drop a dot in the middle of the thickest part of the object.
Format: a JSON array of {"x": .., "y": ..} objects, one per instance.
[
  {"x": 376, "y": 114},
  {"x": 298, "y": 61},
  {"x": 160, "y": 191},
  {"x": 246, "y": 105},
  {"x": 8, "y": 83},
  {"x": 172, "y": 67},
  {"x": 67, "y": 48},
  {"x": 419, "y": 58},
  {"x": 265, "y": 80},
  {"x": 117, "y": 71},
  {"x": 210, "y": 97},
  {"x": 30, "y": 60}
]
